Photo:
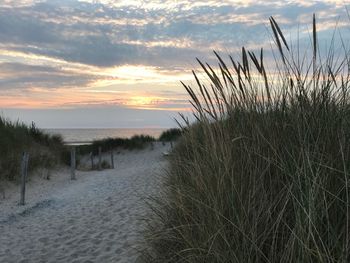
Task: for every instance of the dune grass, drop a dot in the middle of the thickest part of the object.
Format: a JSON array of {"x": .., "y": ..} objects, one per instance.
[
  {"x": 263, "y": 175},
  {"x": 135, "y": 142},
  {"x": 15, "y": 137},
  {"x": 172, "y": 134}
]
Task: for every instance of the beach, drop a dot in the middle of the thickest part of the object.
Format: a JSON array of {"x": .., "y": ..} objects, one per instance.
[{"x": 96, "y": 218}]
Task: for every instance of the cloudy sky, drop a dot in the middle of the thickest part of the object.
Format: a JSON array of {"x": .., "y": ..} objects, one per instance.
[{"x": 104, "y": 63}]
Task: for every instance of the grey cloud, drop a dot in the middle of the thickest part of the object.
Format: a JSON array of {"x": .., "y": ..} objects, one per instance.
[
  {"x": 51, "y": 39},
  {"x": 18, "y": 75},
  {"x": 73, "y": 41},
  {"x": 69, "y": 30}
]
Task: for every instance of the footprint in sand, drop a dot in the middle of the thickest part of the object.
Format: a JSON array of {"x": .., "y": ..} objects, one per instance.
[{"x": 95, "y": 220}]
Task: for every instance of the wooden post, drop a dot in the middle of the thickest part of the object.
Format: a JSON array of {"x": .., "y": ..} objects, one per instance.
[
  {"x": 24, "y": 173},
  {"x": 92, "y": 160},
  {"x": 72, "y": 163},
  {"x": 112, "y": 159},
  {"x": 27, "y": 161},
  {"x": 100, "y": 158},
  {"x": 2, "y": 189}
]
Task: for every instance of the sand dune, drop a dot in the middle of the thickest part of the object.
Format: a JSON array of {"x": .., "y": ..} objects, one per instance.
[{"x": 93, "y": 219}]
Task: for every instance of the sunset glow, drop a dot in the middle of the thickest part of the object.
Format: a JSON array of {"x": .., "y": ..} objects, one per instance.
[
  {"x": 141, "y": 101},
  {"x": 71, "y": 54}
]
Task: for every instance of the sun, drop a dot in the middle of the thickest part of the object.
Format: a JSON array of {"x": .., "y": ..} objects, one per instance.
[{"x": 140, "y": 101}]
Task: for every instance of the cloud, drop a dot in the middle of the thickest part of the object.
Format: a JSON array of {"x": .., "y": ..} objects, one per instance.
[
  {"x": 85, "y": 33},
  {"x": 104, "y": 35},
  {"x": 24, "y": 76}
]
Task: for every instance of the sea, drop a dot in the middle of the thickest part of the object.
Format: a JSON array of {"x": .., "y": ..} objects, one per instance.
[{"x": 86, "y": 136}]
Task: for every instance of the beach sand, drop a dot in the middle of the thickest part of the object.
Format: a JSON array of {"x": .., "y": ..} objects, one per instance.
[{"x": 96, "y": 218}]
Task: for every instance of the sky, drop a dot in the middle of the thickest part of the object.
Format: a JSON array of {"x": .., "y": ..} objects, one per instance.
[{"x": 118, "y": 64}]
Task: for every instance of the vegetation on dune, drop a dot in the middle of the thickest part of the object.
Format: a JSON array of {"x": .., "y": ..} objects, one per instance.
[
  {"x": 15, "y": 137},
  {"x": 170, "y": 135},
  {"x": 135, "y": 142},
  {"x": 263, "y": 176}
]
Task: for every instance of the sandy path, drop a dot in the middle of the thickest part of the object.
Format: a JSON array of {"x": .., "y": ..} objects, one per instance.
[{"x": 93, "y": 219}]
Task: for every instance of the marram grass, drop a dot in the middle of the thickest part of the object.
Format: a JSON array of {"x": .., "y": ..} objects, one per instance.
[
  {"x": 45, "y": 151},
  {"x": 263, "y": 175}
]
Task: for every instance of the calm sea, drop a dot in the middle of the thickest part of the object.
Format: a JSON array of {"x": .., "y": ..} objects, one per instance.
[{"x": 88, "y": 135}]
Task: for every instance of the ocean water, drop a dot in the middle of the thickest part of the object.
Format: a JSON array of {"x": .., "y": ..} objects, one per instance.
[{"x": 78, "y": 136}]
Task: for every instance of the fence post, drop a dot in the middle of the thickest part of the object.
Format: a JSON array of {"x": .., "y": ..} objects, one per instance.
[
  {"x": 92, "y": 160},
  {"x": 27, "y": 161},
  {"x": 112, "y": 159},
  {"x": 24, "y": 173},
  {"x": 100, "y": 158},
  {"x": 72, "y": 163},
  {"x": 3, "y": 192}
]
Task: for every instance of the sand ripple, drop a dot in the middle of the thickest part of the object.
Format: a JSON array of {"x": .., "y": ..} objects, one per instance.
[{"x": 93, "y": 219}]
